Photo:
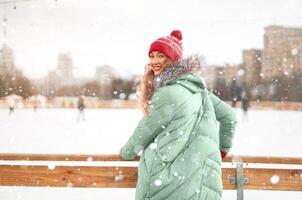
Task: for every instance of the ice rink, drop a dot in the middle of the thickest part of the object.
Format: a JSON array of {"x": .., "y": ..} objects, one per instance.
[{"x": 266, "y": 132}]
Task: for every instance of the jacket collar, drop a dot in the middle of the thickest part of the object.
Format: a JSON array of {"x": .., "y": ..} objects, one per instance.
[{"x": 188, "y": 65}]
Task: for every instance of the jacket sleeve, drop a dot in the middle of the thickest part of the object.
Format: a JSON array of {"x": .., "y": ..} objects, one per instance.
[
  {"x": 149, "y": 126},
  {"x": 227, "y": 119}
]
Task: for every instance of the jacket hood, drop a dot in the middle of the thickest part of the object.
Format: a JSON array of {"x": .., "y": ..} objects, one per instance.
[{"x": 185, "y": 72}]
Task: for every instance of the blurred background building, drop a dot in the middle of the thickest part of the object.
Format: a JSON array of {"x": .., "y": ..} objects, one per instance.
[
  {"x": 7, "y": 61},
  {"x": 282, "y": 52},
  {"x": 273, "y": 73}
]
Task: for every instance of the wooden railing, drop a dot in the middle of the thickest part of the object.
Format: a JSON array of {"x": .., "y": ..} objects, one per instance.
[{"x": 245, "y": 172}]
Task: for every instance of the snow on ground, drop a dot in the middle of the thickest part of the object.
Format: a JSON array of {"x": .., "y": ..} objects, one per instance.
[
  {"x": 58, "y": 131},
  {"x": 266, "y": 132}
]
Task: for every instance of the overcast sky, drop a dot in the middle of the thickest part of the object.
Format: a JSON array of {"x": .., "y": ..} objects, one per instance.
[{"x": 119, "y": 32}]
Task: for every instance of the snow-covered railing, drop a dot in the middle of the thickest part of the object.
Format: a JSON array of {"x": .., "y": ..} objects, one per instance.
[{"x": 243, "y": 172}]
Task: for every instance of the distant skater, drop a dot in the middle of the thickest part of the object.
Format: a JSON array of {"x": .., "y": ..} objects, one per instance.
[
  {"x": 11, "y": 105},
  {"x": 35, "y": 104},
  {"x": 81, "y": 107},
  {"x": 245, "y": 106}
]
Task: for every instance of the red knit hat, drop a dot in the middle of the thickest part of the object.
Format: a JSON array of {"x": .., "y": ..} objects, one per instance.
[{"x": 169, "y": 45}]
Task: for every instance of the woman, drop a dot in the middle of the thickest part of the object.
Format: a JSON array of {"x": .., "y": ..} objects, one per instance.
[{"x": 180, "y": 136}]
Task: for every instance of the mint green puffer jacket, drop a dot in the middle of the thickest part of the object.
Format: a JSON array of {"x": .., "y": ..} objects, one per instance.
[{"x": 181, "y": 138}]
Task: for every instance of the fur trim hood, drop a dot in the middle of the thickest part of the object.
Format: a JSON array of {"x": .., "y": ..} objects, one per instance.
[{"x": 191, "y": 65}]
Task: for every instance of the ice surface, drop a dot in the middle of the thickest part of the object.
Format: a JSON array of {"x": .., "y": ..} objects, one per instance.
[{"x": 266, "y": 132}]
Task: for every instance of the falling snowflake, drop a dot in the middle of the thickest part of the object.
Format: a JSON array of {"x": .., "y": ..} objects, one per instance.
[
  {"x": 294, "y": 51},
  {"x": 122, "y": 96},
  {"x": 119, "y": 177},
  {"x": 69, "y": 184},
  {"x": 89, "y": 159},
  {"x": 153, "y": 145},
  {"x": 158, "y": 182},
  {"x": 51, "y": 166},
  {"x": 275, "y": 179},
  {"x": 240, "y": 72}
]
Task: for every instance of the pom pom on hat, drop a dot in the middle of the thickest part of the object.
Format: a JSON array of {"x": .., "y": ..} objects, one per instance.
[
  {"x": 169, "y": 45},
  {"x": 177, "y": 34}
]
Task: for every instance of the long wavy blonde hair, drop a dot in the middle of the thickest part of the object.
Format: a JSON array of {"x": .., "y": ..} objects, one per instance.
[{"x": 146, "y": 88}]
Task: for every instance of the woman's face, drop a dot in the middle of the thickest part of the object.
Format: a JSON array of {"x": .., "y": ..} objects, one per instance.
[{"x": 159, "y": 61}]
